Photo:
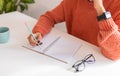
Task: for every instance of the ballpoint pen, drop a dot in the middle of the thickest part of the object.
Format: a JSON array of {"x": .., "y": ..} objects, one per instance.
[{"x": 40, "y": 43}]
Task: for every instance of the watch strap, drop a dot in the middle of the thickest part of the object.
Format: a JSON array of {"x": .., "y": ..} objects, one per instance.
[{"x": 104, "y": 16}]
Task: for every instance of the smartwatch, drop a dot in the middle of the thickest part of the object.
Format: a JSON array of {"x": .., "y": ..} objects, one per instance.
[{"x": 104, "y": 16}]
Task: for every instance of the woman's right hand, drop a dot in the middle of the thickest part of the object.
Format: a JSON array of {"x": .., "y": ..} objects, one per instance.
[{"x": 32, "y": 42}]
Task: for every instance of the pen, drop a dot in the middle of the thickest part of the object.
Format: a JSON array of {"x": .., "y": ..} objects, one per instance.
[{"x": 33, "y": 35}]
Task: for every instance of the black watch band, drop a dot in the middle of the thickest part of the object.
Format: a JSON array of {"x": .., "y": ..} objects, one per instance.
[{"x": 104, "y": 16}]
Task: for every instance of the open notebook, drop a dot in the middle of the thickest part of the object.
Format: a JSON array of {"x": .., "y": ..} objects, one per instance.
[{"x": 57, "y": 46}]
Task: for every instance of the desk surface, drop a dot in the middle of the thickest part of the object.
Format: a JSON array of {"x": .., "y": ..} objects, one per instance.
[{"x": 18, "y": 61}]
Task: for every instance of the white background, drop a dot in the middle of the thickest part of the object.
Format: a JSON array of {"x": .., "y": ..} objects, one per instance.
[{"x": 40, "y": 7}]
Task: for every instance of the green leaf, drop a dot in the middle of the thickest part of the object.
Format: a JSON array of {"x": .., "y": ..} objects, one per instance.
[
  {"x": 22, "y": 7},
  {"x": 14, "y": 7},
  {"x": 26, "y": 6},
  {"x": 27, "y": 1},
  {"x": 1, "y": 6},
  {"x": 14, "y": 1},
  {"x": 6, "y": 1},
  {"x": 8, "y": 7}
]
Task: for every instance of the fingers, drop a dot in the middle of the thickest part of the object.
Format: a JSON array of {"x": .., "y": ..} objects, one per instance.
[
  {"x": 32, "y": 41},
  {"x": 38, "y": 36}
]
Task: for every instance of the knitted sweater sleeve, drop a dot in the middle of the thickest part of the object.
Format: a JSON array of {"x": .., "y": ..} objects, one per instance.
[
  {"x": 109, "y": 37},
  {"x": 47, "y": 21}
]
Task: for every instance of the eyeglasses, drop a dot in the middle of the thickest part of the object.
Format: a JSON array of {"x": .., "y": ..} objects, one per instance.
[{"x": 80, "y": 64}]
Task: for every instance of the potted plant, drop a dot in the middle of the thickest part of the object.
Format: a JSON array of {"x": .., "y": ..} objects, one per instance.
[{"x": 13, "y": 5}]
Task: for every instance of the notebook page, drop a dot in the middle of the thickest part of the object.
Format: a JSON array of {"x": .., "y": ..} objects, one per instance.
[
  {"x": 64, "y": 49},
  {"x": 57, "y": 45},
  {"x": 47, "y": 41}
]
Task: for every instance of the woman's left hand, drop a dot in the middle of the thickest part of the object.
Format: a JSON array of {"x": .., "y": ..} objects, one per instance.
[{"x": 98, "y": 5}]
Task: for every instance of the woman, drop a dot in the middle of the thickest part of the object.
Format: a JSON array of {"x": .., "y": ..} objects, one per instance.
[{"x": 95, "y": 21}]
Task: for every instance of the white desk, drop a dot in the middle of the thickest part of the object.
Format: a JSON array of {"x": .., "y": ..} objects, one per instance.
[{"x": 18, "y": 61}]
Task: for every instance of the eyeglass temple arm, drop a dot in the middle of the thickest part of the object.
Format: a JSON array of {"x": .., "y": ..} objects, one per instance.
[{"x": 88, "y": 57}]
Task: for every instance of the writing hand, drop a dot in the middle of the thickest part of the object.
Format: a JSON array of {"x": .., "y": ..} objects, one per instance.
[{"x": 32, "y": 42}]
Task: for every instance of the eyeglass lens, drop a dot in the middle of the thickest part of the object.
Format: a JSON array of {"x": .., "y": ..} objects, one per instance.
[{"x": 80, "y": 65}]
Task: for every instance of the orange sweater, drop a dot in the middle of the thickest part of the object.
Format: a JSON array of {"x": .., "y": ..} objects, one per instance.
[{"x": 81, "y": 21}]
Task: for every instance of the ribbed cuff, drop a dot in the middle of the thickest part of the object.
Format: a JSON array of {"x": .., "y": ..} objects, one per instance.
[
  {"x": 38, "y": 29},
  {"x": 107, "y": 24}
]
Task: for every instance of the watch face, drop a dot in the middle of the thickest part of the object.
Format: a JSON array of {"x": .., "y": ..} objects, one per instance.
[{"x": 107, "y": 14}]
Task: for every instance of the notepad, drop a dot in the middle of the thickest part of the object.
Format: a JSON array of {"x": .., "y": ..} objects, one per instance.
[{"x": 57, "y": 46}]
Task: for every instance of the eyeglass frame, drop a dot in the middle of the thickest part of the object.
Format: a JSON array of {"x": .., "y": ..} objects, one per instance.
[{"x": 83, "y": 61}]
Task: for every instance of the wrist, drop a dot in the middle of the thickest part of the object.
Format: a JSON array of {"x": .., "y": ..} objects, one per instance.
[{"x": 100, "y": 10}]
